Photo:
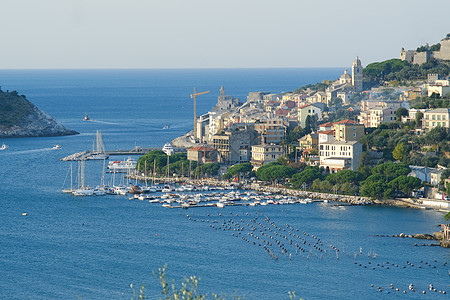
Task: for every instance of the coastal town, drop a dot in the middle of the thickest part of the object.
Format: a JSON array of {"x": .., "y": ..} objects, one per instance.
[{"x": 335, "y": 126}]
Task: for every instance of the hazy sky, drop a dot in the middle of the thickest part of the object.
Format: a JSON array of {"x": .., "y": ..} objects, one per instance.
[{"x": 214, "y": 34}]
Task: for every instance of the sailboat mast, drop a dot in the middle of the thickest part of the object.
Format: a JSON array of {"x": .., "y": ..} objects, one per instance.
[
  {"x": 154, "y": 170},
  {"x": 145, "y": 172},
  {"x": 82, "y": 173},
  {"x": 102, "y": 181}
]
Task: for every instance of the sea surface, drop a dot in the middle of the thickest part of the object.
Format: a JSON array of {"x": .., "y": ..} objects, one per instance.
[{"x": 95, "y": 247}]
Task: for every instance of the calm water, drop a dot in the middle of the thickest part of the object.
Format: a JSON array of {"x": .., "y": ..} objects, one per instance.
[{"x": 93, "y": 248}]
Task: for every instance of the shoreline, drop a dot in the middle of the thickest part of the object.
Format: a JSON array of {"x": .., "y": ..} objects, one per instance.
[{"x": 353, "y": 200}]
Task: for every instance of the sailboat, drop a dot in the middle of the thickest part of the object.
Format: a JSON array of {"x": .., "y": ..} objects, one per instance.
[
  {"x": 98, "y": 152},
  {"x": 82, "y": 189},
  {"x": 71, "y": 181}
]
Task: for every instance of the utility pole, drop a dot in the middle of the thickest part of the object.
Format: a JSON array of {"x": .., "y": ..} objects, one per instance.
[{"x": 194, "y": 96}]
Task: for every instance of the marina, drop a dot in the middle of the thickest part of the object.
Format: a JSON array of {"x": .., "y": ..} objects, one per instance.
[{"x": 93, "y": 247}]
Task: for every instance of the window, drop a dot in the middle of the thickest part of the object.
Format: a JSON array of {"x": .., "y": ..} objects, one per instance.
[
  {"x": 426, "y": 117},
  {"x": 438, "y": 117},
  {"x": 433, "y": 117},
  {"x": 443, "y": 117}
]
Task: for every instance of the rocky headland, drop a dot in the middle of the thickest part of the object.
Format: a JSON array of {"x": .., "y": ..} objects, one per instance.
[{"x": 21, "y": 118}]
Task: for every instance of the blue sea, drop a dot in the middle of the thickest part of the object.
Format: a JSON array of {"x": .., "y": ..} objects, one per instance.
[{"x": 95, "y": 247}]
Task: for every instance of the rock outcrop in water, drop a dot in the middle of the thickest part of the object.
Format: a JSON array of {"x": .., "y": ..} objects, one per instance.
[{"x": 21, "y": 118}]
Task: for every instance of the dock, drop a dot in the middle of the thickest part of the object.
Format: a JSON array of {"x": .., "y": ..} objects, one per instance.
[{"x": 84, "y": 155}]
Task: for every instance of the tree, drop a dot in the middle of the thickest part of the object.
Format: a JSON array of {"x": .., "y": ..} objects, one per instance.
[
  {"x": 405, "y": 184},
  {"x": 306, "y": 176},
  {"x": 419, "y": 117},
  {"x": 401, "y": 112},
  {"x": 374, "y": 189},
  {"x": 399, "y": 152},
  {"x": 275, "y": 172},
  {"x": 391, "y": 170},
  {"x": 345, "y": 176},
  {"x": 239, "y": 169},
  {"x": 447, "y": 216}
]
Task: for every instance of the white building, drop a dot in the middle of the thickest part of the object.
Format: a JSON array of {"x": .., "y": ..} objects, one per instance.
[{"x": 339, "y": 155}]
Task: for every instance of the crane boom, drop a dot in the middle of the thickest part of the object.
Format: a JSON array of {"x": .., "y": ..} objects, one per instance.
[{"x": 194, "y": 95}]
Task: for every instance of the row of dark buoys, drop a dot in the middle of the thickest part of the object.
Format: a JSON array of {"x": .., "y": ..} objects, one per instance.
[
  {"x": 285, "y": 240},
  {"x": 411, "y": 288},
  {"x": 289, "y": 242}
]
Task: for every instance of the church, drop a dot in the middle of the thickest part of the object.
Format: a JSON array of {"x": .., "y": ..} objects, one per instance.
[{"x": 347, "y": 84}]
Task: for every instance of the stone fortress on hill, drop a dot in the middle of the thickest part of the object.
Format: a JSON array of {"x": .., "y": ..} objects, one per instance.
[{"x": 425, "y": 54}]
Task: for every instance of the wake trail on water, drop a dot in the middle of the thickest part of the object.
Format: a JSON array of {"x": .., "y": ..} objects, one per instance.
[{"x": 30, "y": 151}]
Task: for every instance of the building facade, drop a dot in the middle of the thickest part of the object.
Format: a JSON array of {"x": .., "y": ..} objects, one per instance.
[
  {"x": 436, "y": 117},
  {"x": 202, "y": 154},
  {"x": 339, "y": 155},
  {"x": 308, "y": 110},
  {"x": 271, "y": 131},
  {"x": 234, "y": 144},
  {"x": 376, "y": 116},
  {"x": 264, "y": 154},
  {"x": 348, "y": 130}
]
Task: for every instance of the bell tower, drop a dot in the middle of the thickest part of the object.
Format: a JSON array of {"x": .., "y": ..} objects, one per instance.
[{"x": 357, "y": 76}]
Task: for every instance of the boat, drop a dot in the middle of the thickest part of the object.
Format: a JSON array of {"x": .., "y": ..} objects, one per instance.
[
  {"x": 167, "y": 149},
  {"x": 56, "y": 147},
  {"x": 136, "y": 190},
  {"x": 122, "y": 166},
  {"x": 65, "y": 190},
  {"x": 98, "y": 152},
  {"x": 86, "y": 118},
  {"x": 3, "y": 147},
  {"x": 167, "y": 126}
]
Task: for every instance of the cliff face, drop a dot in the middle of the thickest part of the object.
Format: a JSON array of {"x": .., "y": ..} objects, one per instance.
[{"x": 21, "y": 118}]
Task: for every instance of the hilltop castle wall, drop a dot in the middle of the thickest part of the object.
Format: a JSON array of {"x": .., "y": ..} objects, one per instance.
[{"x": 414, "y": 57}]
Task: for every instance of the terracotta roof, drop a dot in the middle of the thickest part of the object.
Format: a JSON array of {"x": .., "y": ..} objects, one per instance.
[
  {"x": 327, "y": 124},
  {"x": 303, "y": 106},
  {"x": 345, "y": 122},
  {"x": 326, "y": 132},
  {"x": 200, "y": 148}
]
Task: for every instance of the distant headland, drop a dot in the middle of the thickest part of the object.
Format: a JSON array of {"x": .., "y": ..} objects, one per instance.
[{"x": 21, "y": 118}]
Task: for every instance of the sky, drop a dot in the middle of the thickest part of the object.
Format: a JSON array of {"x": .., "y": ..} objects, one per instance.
[{"x": 48, "y": 34}]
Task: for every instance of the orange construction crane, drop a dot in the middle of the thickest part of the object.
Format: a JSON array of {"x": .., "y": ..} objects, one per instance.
[{"x": 194, "y": 96}]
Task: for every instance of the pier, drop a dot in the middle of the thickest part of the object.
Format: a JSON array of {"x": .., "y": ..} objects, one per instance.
[{"x": 84, "y": 155}]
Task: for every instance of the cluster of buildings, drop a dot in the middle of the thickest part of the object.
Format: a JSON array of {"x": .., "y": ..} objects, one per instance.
[{"x": 236, "y": 132}]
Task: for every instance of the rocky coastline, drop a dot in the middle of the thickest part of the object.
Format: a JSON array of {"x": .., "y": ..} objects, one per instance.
[{"x": 21, "y": 118}]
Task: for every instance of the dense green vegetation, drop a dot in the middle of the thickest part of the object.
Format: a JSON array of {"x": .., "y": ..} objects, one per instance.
[
  {"x": 397, "y": 142},
  {"x": 14, "y": 108},
  {"x": 239, "y": 170},
  {"x": 430, "y": 102},
  {"x": 395, "y": 69},
  {"x": 158, "y": 159},
  {"x": 319, "y": 87},
  {"x": 275, "y": 172}
]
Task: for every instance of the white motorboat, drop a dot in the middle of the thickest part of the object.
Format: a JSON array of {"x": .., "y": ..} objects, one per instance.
[
  {"x": 56, "y": 147},
  {"x": 122, "y": 166},
  {"x": 3, "y": 147}
]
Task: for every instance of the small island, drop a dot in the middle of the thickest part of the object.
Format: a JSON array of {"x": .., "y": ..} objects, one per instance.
[{"x": 21, "y": 118}]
